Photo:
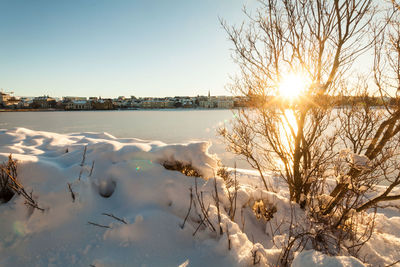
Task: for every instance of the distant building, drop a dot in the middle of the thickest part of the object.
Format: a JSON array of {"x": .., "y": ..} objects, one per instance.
[
  {"x": 78, "y": 105},
  {"x": 24, "y": 102},
  {"x": 158, "y": 103},
  {"x": 228, "y": 104},
  {"x": 9, "y": 101},
  {"x": 43, "y": 102},
  {"x": 4, "y": 97},
  {"x": 223, "y": 102},
  {"x": 122, "y": 102},
  {"x": 207, "y": 102},
  {"x": 103, "y": 104},
  {"x": 12, "y": 102},
  {"x": 74, "y": 98},
  {"x": 188, "y": 104}
]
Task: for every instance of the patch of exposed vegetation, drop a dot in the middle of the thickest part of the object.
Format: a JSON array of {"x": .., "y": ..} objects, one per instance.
[
  {"x": 9, "y": 184},
  {"x": 7, "y": 169},
  {"x": 186, "y": 169},
  {"x": 264, "y": 210}
]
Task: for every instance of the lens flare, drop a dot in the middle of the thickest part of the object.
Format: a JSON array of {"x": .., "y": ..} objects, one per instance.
[
  {"x": 19, "y": 228},
  {"x": 141, "y": 164}
]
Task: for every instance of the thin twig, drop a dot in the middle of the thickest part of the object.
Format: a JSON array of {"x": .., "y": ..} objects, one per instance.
[
  {"x": 227, "y": 236},
  {"x": 190, "y": 207},
  {"x": 83, "y": 156},
  {"x": 243, "y": 219},
  {"x": 217, "y": 203},
  {"x": 198, "y": 227},
  {"x": 202, "y": 208},
  {"x": 80, "y": 174},
  {"x": 115, "y": 217},
  {"x": 99, "y": 225},
  {"x": 91, "y": 169},
  {"x": 392, "y": 264},
  {"x": 72, "y": 192},
  {"x": 235, "y": 196}
]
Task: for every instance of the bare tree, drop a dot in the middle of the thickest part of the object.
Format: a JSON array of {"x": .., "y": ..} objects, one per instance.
[
  {"x": 317, "y": 39},
  {"x": 375, "y": 133},
  {"x": 341, "y": 126}
]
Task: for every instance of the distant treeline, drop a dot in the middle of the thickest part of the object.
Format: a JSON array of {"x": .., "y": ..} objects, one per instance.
[{"x": 323, "y": 100}]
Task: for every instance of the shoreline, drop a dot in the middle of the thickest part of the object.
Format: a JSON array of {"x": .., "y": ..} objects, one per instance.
[{"x": 133, "y": 109}]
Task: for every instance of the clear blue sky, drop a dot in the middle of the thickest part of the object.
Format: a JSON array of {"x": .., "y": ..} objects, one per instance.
[{"x": 116, "y": 47}]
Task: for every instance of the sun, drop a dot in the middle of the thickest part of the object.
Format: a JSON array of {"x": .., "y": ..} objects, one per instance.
[{"x": 293, "y": 85}]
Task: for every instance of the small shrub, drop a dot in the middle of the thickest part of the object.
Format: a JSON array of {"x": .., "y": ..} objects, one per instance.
[
  {"x": 7, "y": 169},
  {"x": 226, "y": 175},
  {"x": 232, "y": 186},
  {"x": 9, "y": 185},
  {"x": 186, "y": 169}
]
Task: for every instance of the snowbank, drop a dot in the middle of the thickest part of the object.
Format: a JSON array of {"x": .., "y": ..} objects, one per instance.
[
  {"x": 128, "y": 210},
  {"x": 315, "y": 258}
]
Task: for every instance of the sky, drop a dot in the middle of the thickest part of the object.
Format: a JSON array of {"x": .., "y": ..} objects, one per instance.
[{"x": 115, "y": 48}]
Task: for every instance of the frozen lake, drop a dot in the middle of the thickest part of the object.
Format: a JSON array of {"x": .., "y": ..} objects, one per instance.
[{"x": 169, "y": 126}]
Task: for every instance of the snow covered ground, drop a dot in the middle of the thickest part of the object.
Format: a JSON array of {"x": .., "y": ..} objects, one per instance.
[{"x": 125, "y": 178}]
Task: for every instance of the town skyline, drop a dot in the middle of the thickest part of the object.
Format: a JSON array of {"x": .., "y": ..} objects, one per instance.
[
  {"x": 10, "y": 102},
  {"x": 14, "y": 93}
]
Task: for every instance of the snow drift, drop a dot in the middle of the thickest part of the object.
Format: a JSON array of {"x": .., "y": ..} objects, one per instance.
[{"x": 128, "y": 210}]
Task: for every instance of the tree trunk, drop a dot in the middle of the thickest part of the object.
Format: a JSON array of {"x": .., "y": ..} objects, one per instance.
[{"x": 297, "y": 179}]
